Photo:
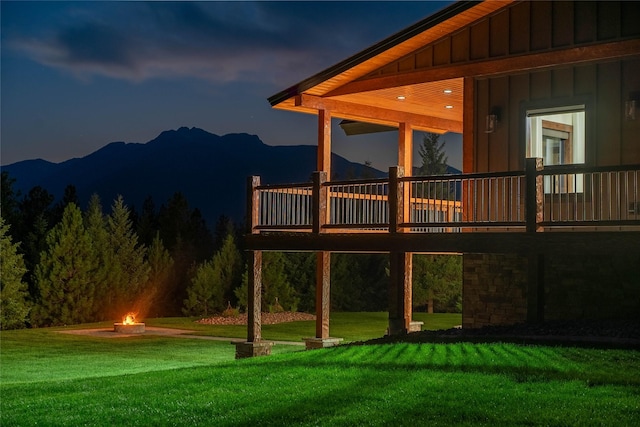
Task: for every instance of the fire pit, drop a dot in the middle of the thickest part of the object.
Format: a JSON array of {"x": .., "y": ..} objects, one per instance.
[{"x": 129, "y": 325}]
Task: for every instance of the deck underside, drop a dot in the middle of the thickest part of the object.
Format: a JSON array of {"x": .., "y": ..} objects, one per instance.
[{"x": 604, "y": 242}]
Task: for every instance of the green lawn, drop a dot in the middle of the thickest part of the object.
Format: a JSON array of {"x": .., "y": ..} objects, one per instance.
[
  {"x": 49, "y": 378},
  {"x": 349, "y": 326}
]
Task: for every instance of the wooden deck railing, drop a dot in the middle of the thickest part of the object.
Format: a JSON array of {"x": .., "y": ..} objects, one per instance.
[{"x": 554, "y": 198}]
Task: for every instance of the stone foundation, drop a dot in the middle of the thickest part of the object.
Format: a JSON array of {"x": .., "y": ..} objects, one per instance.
[
  {"x": 494, "y": 290},
  {"x": 313, "y": 343},
  {"x": 253, "y": 349},
  {"x": 573, "y": 287}
]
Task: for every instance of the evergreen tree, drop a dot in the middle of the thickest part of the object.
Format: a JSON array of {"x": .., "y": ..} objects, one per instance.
[
  {"x": 70, "y": 196},
  {"x": 204, "y": 294},
  {"x": 434, "y": 162},
  {"x": 434, "y": 159},
  {"x": 301, "y": 269},
  {"x": 32, "y": 228},
  {"x": 96, "y": 226},
  {"x": 212, "y": 287},
  {"x": 437, "y": 282},
  {"x": 65, "y": 275},
  {"x": 9, "y": 202},
  {"x": 131, "y": 272},
  {"x": 160, "y": 275},
  {"x": 14, "y": 306},
  {"x": 187, "y": 238},
  {"x": 277, "y": 292},
  {"x": 147, "y": 226}
]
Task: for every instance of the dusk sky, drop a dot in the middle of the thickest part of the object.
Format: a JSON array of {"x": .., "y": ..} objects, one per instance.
[{"x": 79, "y": 75}]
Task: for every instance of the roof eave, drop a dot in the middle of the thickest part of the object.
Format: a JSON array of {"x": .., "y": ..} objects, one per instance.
[{"x": 378, "y": 48}]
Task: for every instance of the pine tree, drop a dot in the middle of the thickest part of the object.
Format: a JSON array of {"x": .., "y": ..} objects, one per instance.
[
  {"x": 434, "y": 162},
  {"x": 277, "y": 292},
  {"x": 437, "y": 282},
  {"x": 212, "y": 287},
  {"x": 9, "y": 202},
  {"x": 160, "y": 274},
  {"x": 14, "y": 306},
  {"x": 204, "y": 294},
  {"x": 434, "y": 159},
  {"x": 96, "y": 226},
  {"x": 131, "y": 272},
  {"x": 65, "y": 275}
]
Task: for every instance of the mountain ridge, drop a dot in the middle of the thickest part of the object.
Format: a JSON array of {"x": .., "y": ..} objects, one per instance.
[{"x": 208, "y": 169}]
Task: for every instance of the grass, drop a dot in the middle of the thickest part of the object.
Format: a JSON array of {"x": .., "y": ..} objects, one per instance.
[
  {"x": 48, "y": 378},
  {"x": 349, "y": 326}
]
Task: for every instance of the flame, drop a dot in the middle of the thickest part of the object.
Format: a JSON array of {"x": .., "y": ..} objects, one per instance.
[{"x": 129, "y": 319}]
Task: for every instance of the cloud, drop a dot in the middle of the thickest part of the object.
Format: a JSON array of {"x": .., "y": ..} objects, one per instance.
[{"x": 217, "y": 41}]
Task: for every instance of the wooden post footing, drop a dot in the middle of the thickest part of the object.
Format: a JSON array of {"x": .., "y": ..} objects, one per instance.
[
  {"x": 313, "y": 343},
  {"x": 252, "y": 349}
]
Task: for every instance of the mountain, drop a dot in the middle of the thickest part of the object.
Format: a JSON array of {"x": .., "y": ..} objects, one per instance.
[{"x": 210, "y": 170}]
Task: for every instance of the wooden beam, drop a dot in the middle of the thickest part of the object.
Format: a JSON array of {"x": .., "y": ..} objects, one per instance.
[
  {"x": 523, "y": 62},
  {"x": 376, "y": 114},
  {"x": 482, "y": 242},
  {"x": 324, "y": 141}
]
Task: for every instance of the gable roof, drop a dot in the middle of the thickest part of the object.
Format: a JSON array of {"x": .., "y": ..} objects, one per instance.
[
  {"x": 428, "y": 30},
  {"x": 417, "y": 76}
]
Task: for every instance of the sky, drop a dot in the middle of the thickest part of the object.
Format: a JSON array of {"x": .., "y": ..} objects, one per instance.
[{"x": 76, "y": 76}]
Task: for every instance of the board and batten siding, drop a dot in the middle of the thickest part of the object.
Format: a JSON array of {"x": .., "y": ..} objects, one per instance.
[
  {"x": 525, "y": 28},
  {"x": 611, "y": 139},
  {"x": 540, "y": 27}
]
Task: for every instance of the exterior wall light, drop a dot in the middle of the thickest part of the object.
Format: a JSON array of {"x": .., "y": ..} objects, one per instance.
[
  {"x": 630, "y": 109},
  {"x": 492, "y": 120}
]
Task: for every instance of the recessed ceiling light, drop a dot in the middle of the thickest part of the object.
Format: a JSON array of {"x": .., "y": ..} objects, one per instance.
[
  {"x": 447, "y": 91},
  {"x": 401, "y": 97},
  {"x": 448, "y": 107}
]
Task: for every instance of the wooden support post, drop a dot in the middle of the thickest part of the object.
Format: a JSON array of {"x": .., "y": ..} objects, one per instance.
[
  {"x": 534, "y": 211},
  {"x": 254, "y": 346},
  {"x": 324, "y": 142},
  {"x": 468, "y": 147},
  {"x": 405, "y": 160},
  {"x": 320, "y": 199},
  {"x": 253, "y": 204},
  {"x": 254, "y": 297},
  {"x": 400, "y": 293},
  {"x": 534, "y": 201},
  {"x": 323, "y": 281},
  {"x": 396, "y": 199}
]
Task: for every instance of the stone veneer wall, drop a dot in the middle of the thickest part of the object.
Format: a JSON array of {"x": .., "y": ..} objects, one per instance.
[
  {"x": 576, "y": 286},
  {"x": 592, "y": 286},
  {"x": 494, "y": 289}
]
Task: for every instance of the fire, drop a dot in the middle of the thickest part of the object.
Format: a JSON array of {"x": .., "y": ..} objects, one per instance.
[{"x": 129, "y": 319}]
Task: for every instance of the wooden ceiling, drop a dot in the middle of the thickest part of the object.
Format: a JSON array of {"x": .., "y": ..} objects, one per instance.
[
  {"x": 427, "y": 105},
  {"x": 439, "y": 99}
]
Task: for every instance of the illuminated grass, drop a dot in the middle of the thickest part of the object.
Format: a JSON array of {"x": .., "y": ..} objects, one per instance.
[
  {"x": 52, "y": 379},
  {"x": 349, "y": 326}
]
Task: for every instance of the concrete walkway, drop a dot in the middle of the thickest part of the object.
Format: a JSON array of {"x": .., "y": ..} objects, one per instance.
[{"x": 168, "y": 332}]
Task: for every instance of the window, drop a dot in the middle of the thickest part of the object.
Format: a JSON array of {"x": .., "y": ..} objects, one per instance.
[{"x": 557, "y": 135}]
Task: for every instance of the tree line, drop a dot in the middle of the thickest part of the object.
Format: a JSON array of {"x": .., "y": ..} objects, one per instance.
[{"x": 62, "y": 264}]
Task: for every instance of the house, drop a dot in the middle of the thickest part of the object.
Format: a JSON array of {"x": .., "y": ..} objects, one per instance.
[{"x": 546, "y": 213}]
